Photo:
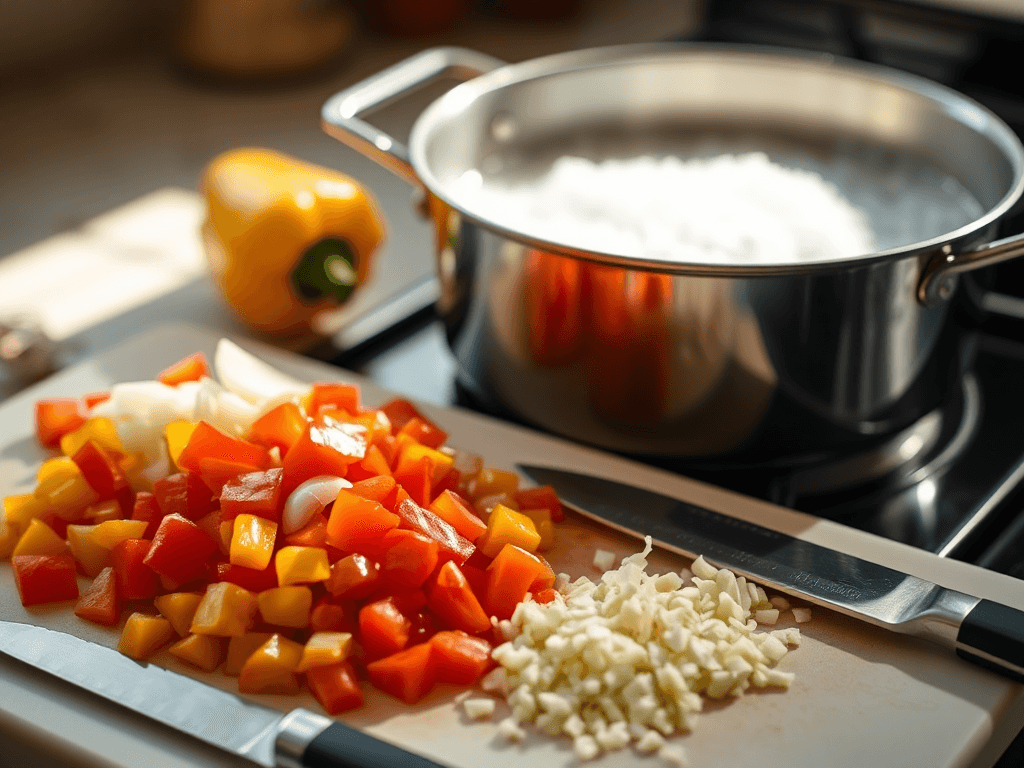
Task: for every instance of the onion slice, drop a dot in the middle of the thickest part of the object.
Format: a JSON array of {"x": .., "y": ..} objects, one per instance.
[
  {"x": 310, "y": 499},
  {"x": 250, "y": 378}
]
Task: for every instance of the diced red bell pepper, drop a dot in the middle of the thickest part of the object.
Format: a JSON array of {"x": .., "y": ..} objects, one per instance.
[
  {"x": 185, "y": 494},
  {"x": 373, "y": 465},
  {"x": 460, "y": 659},
  {"x": 382, "y": 489},
  {"x": 254, "y": 493},
  {"x": 94, "y": 398},
  {"x": 135, "y": 579},
  {"x": 424, "y": 432},
  {"x": 100, "y": 470},
  {"x": 329, "y": 394},
  {"x": 417, "y": 480},
  {"x": 452, "y": 481},
  {"x": 217, "y": 472},
  {"x": 400, "y": 411},
  {"x": 335, "y": 686},
  {"x": 312, "y": 534},
  {"x": 280, "y": 427},
  {"x": 55, "y": 418},
  {"x": 323, "y": 449},
  {"x": 357, "y": 524},
  {"x": 543, "y": 497},
  {"x": 451, "y": 598},
  {"x": 407, "y": 557},
  {"x": 509, "y": 577},
  {"x": 545, "y": 579},
  {"x": 455, "y": 511},
  {"x": 180, "y": 550},
  {"x": 101, "y": 603},
  {"x": 424, "y": 626},
  {"x": 452, "y": 545},
  {"x": 476, "y": 576},
  {"x": 45, "y": 578},
  {"x": 388, "y": 447},
  {"x": 209, "y": 442},
  {"x": 191, "y": 368},
  {"x": 330, "y": 617},
  {"x": 408, "y": 675},
  {"x": 353, "y": 578},
  {"x": 247, "y": 578},
  {"x": 545, "y": 596},
  {"x": 383, "y": 628}
]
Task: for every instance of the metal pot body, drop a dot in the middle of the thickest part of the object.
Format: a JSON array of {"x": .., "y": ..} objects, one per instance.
[{"x": 687, "y": 358}]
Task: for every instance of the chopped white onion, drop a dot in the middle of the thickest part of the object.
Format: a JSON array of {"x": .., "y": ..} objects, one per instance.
[
  {"x": 250, "y": 378},
  {"x": 309, "y": 499}
]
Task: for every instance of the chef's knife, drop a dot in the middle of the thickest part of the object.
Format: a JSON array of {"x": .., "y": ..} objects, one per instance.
[
  {"x": 297, "y": 739},
  {"x": 981, "y": 631}
]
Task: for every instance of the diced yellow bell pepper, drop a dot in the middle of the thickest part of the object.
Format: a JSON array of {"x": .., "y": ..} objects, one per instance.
[
  {"x": 506, "y": 526},
  {"x": 8, "y": 538},
  {"x": 271, "y": 667},
  {"x": 203, "y": 651},
  {"x": 178, "y": 434},
  {"x": 325, "y": 648},
  {"x": 486, "y": 504},
  {"x": 226, "y": 610},
  {"x": 111, "y": 532},
  {"x": 39, "y": 539},
  {"x": 57, "y": 468},
  {"x": 286, "y": 606},
  {"x": 144, "y": 635},
  {"x": 301, "y": 565},
  {"x": 20, "y": 509},
  {"x": 227, "y": 529},
  {"x": 252, "y": 542},
  {"x": 66, "y": 493},
  {"x": 100, "y": 430},
  {"x": 179, "y": 608},
  {"x": 92, "y": 557},
  {"x": 240, "y": 648},
  {"x": 103, "y": 511},
  {"x": 413, "y": 452},
  {"x": 488, "y": 482},
  {"x": 545, "y": 527}
]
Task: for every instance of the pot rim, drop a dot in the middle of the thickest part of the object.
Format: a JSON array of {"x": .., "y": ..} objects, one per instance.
[{"x": 958, "y": 106}]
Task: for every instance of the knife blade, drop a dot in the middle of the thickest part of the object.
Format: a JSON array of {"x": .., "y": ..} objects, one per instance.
[
  {"x": 267, "y": 737},
  {"x": 981, "y": 631}
]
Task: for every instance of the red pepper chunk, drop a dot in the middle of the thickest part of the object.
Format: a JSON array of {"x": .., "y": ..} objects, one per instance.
[
  {"x": 55, "y": 418},
  {"x": 192, "y": 368},
  {"x": 357, "y": 524},
  {"x": 209, "y": 442},
  {"x": 135, "y": 579},
  {"x": 45, "y": 578},
  {"x": 180, "y": 550},
  {"x": 353, "y": 578},
  {"x": 400, "y": 412},
  {"x": 100, "y": 470},
  {"x": 454, "y": 510},
  {"x": 460, "y": 659},
  {"x": 333, "y": 395},
  {"x": 451, "y": 598},
  {"x": 254, "y": 493},
  {"x": 146, "y": 508},
  {"x": 280, "y": 427},
  {"x": 417, "y": 479},
  {"x": 336, "y": 687},
  {"x": 247, "y": 578},
  {"x": 451, "y": 545},
  {"x": 509, "y": 577},
  {"x": 408, "y": 675},
  {"x": 543, "y": 497},
  {"x": 324, "y": 449},
  {"x": 101, "y": 603},
  {"x": 382, "y": 489},
  {"x": 424, "y": 432},
  {"x": 184, "y": 494},
  {"x": 407, "y": 558},
  {"x": 383, "y": 628}
]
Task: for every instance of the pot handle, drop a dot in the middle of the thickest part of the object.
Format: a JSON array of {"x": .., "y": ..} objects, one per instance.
[
  {"x": 340, "y": 114},
  {"x": 940, "y": 276}
]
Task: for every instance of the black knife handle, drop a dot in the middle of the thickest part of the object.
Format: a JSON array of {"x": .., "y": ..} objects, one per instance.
[
  {"x": 992, "y": 635},
  {"x": 339, "y": 746}
]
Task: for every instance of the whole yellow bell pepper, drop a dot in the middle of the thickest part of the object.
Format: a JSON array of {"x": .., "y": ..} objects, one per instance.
[{"x": 286, "y": 240}]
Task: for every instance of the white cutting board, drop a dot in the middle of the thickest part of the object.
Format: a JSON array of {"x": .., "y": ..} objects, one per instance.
[{"x": 862, "y": 696}]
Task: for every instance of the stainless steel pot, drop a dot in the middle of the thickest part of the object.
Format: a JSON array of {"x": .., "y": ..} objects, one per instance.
[{"x": 668, "y": 356}]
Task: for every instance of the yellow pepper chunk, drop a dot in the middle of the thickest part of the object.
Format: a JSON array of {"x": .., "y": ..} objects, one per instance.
[
  {"x": 92, "y": 557},
  {"x": 67, "y": 494},
  {"x": 144, "y": 635},
  {"x": 252, "y": 542},
  {"x": 39, "y": 539},
  {"x": 240, "y": 648},
  {"x": 105, "y": 510},
  {"x": 488, "y": 482},
  {"x": 8, "y": 538},
  {"x": 286, "y": 606},
  {"x": 100, "y": 430},
  {"x": 179, "y": 608},
  {"x": 227, "y": 529},
  {"x": 57, "y": 468},
  {"x": 20, "y": 509},
  {"x": 506, "y": 526},
  {"x": 203, "y": 651},
  {"x": 111, "y": 532},
  {"x": 545, "y": 527},
  {"x": 325, "y": 648},
  {"x": 271, "y": 667},
  {"x": 301, "y": 565},
  {"x": 178, "y": 434},
  {"x": 413, "y": 452},
  {"x": 226, "y": 610}
]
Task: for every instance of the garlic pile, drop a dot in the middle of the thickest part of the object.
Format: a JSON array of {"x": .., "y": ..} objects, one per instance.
[{"x": 627, "y": 660}]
